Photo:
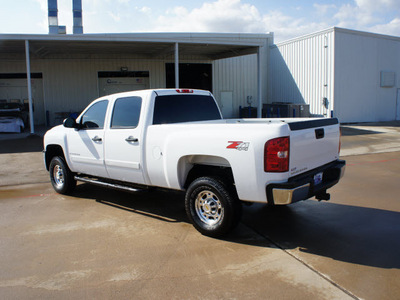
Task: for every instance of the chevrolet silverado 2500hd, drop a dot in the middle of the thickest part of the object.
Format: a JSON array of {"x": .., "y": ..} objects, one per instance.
[{"x": 177, "y": 139}]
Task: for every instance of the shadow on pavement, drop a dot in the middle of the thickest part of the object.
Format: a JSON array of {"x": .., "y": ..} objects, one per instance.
[
  {"x": 358, "y": 235},
  {"x": 156, "y": 204},
  {"x": 346, "y": 131},
  {"x": 31, "y": 143}
]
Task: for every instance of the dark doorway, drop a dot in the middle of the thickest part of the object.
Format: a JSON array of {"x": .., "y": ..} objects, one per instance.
[{"x": 193, "y": 76}]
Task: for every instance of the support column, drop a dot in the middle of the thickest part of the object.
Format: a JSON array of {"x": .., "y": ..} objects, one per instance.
[
  {"x": 176, "y": 65},
  {"x": 28, "y": 78},
  {"x": 259, "y": 87}
]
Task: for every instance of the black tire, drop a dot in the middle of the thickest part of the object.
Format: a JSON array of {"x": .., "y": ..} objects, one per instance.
[
  {"x": 212, "y": 207},
  {"x": 61, "y": 176}
]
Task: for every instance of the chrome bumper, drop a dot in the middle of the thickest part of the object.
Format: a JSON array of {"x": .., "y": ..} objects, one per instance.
[
  {"x": 287, "y": 196},
  {"x": 302, "y": 187}
]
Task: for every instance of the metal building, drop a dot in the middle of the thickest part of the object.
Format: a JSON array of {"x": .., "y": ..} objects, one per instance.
[
  {"x": 348, "y": 74},
  {"x": 63, "y": 72}
]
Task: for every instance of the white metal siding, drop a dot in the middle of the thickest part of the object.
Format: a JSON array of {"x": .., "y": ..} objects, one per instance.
[
  {"x": 239, "y": 76},
  {"x": 301, "y": 71},
  {"x": 71, "y": 84},
  {"x": 360, "y": 58}
]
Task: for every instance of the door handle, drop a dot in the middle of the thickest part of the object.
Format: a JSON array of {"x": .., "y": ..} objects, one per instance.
[
  {"x": 97, "y": 139},
  {"x": 131, "y": 139}
]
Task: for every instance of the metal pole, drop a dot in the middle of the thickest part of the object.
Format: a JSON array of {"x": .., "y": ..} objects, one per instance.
[
  {"x": 260, "y": 103},
  {"x": 28, "y": 78},
  {"x": 176, "y": 65}
]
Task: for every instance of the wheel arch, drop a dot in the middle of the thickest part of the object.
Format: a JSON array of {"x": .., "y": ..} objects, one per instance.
[
  {"x": 194, "y": 166},
  {"x": 52, "y": 151}
]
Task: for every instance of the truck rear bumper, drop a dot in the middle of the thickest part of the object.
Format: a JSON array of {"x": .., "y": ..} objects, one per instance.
[{"x": 303, "y": 186}]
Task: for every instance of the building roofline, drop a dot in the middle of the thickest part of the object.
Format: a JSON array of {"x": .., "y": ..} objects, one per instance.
[
  {"x": 369, "y": 34},
  {"x": 338, "y": 29},
  {"x": 250, "y": 39}
]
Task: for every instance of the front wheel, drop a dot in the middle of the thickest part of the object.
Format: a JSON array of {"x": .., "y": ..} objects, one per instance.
[
  {"x": 61, "y": 176},
  {"x": 212, "y": 207}
]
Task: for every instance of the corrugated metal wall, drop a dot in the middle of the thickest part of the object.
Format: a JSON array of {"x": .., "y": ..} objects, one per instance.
[
  {"x": 239, "y": 76},
  {"x": 69, "y": 85},
  {"x": 301, "y": 71}
]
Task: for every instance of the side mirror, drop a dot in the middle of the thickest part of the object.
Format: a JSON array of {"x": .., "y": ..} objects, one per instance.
[{"x": 70, "y": 123}]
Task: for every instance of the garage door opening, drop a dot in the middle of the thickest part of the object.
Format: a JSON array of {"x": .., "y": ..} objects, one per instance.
[
  {"x": 14, "y": 89},
  {"x": 193, "y": 76}
]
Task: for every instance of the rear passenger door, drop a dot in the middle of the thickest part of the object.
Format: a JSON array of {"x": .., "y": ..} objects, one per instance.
[{"x": 123, "y": 149}]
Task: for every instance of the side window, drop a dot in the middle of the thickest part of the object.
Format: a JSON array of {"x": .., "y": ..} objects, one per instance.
[
  {"x": 95, "y": 115},
  {"x": 126, "y": 112}
]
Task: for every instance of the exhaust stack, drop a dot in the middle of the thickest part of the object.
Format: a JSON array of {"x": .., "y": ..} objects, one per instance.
[
  {"x": 77, "y": 13},
  {"x": 53, "y": 16},
  {"x": 54, "y": 28}
]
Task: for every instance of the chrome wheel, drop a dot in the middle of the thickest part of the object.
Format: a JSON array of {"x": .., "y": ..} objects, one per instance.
[
  {"x": 61, "y": 176},
  {"x": 209, "y": 208},
  {"x": 58, "y": 175}
]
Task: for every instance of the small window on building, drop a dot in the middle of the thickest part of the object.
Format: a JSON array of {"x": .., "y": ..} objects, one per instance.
[
  {"x": 126, "y": 112},
  {"x": 95, "y": 115}
]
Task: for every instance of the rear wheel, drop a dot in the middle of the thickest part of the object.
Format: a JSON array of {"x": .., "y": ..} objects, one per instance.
[
  {"x": 212, "y": 207},
  {"x": 61, "y": 176}
]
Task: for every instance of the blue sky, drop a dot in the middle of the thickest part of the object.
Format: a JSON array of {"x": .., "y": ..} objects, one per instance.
[{"x": 286, "y": 18}]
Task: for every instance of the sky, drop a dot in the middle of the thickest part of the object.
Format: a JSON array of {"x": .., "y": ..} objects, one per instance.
[{"x": 285, "y": 18}]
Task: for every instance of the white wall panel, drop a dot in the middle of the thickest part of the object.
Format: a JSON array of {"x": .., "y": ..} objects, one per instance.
[
  {"x": 239, "y": 76},
  {"x": 360, "y": 58},
  {"x": 71, "y": 84},
  {"x": 301, "y": 71}
]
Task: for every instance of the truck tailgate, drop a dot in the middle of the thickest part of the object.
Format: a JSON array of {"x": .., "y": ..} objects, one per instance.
[{"x": 313, "y": 143}]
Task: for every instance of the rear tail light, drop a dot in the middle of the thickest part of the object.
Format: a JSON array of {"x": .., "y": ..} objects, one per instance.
[
  {"x": 276, "y": 155},
  {"x": 184, "y": 91}
]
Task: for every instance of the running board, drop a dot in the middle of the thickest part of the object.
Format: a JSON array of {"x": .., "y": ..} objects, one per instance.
[{"x": 107, "y": 184}]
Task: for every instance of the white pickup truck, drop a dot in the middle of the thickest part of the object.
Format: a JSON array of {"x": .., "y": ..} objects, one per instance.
[{"x": 177, "y": 139}]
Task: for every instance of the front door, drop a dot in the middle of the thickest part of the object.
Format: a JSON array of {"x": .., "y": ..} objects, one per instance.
[
  {"x": 123, "y": 148},
  {"x": 85, "y": 146}
]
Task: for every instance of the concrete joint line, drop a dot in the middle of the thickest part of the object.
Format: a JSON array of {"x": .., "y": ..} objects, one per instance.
[{"x": 306, "y": 265}]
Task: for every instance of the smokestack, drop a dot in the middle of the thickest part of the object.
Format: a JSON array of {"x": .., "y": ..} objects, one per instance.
[
  {"x": 53, "y": 16},
  {"x": 77, "y": 12}
]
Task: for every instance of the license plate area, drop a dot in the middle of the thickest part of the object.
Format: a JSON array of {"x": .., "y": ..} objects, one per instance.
[{"x": 318, "y": 178}]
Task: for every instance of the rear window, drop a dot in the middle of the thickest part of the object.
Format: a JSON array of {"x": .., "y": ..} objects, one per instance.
[{"x": 184, "y": 108}]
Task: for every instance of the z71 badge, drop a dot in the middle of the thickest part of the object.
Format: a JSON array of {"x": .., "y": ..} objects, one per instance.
[{"x": 238, "y": 145}]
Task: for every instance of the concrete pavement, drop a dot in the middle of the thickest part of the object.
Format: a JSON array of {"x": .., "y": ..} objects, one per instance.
[{"x": 368, "y": 138}]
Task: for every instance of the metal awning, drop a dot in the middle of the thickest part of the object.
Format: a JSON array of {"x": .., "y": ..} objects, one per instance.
[
  {"x": 207, "y": 46},
  {"x": 146, "y": 45}
]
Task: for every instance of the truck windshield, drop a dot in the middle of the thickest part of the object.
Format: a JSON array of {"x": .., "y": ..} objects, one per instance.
[{"x": 184, "y": 108}]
